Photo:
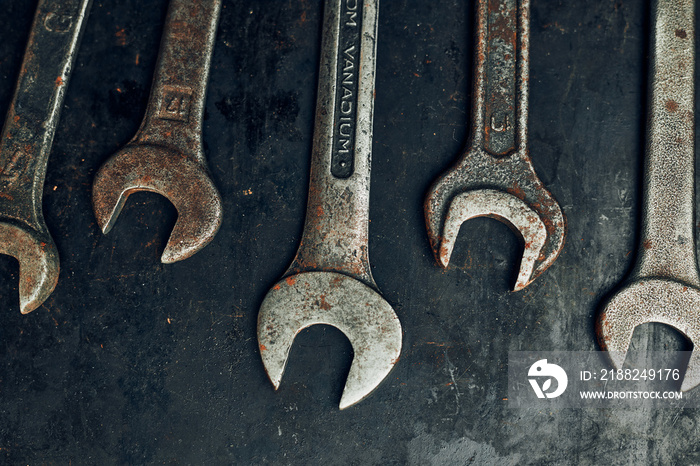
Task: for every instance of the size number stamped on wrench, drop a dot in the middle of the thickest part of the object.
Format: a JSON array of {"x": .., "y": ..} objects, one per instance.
[
  {"x": 501, "y": 72},
  {"x": 174, "y": 103}
]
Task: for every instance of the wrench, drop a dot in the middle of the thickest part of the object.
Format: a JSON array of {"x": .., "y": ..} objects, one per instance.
[
  {"x": 330, "y": 281},
  {"x": 27, "y": 136},
  {"x": 166, "y": 154},
  {"x": 495, "y": 177},
  {"x": 664, "y": 285}
]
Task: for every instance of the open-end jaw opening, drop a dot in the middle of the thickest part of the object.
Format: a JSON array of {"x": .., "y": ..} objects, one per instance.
[
  {"x": 310, "y": 298},
  {"x": 648, "y": 300},
  {"x": 183, "y": 181},
  {"x": 38, "y": 263},
  {"x": 503, "y": 207}
]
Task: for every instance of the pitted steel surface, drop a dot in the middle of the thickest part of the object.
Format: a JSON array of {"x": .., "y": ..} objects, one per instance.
[
  {"x": 664, "y": 285},
  {"x": 166, "y": 154},
  {"x": 329, "y": 281},
  {"x": 26, "y": 142},
  {"x": 497, "y": 159}
]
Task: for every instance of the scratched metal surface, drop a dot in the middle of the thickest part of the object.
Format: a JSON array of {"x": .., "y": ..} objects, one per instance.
[{"x": 131, "y": 361}]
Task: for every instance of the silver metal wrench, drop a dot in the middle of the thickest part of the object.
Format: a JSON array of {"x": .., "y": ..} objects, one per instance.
[
  {"x": 27, "y": 136},
  {"x": 664, "y": 285},
  {"x": 329, "y": 281}
]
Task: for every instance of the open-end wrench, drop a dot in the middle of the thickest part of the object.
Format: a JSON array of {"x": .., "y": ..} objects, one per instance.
[
  {"x": 329, "y": 281},
  {"x": 26, "y": 142},
  {"x": 664, "y": 285},
  {"x": 166, "y": 154},
  {"x": 495, "y": 177}
]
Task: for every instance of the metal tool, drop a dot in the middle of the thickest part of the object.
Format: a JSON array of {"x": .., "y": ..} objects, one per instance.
[
  {"x": 329, "y": 281},
  {"x": 664, "y": 285},
  {"x": 26, "y": 142},
  {"x": 166, "y": 154},
  {"x": 495, "y": 177}
]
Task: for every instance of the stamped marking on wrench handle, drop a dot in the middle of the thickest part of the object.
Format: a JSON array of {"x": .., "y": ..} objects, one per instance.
[
  {"x": 346, "y": 86},
  {"x": 501, "y": 81},
  {"x": 59, "y": 22},
  {"x": 179, "y": 86},
  {"x": 498, "y": 121},
  {"x": 501, "y": 89},
  {"x": 335, "y": 232}
]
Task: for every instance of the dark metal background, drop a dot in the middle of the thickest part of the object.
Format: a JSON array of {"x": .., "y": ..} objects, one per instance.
[{"x": 131, "y": 361}]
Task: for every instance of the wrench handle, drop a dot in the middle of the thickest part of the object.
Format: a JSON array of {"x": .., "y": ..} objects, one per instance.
[
  {"x": 176, "y": 103},
  {"x": 336, "y": 229},
  {"x": 668, "y": 247},
  {"x": 33, "y": 114},
  {"x": 502, "y": 74}
]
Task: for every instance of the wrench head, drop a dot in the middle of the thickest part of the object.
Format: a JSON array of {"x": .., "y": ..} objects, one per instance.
[
  {"x": 183, "y": 181},
  {"x": 482, "y": 186},
  {"x": 330, "y": 298},
  {"x": 38, "y": 263},
  {"x": 651, "y": 300}
]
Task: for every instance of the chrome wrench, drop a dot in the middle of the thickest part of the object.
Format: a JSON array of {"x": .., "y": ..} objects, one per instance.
[
  {"x": 330, "y": 281},
  {"x": 26, "y": 142},
  {"x": 664, "y": 285},
  {"x": 166, "y": 154},
  {"x": 495, "y": 177}
]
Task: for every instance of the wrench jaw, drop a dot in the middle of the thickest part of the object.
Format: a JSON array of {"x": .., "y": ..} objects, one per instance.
[
  {"x": 505, "y": 208},
  {"x": 529, "y": 210},
  {"x": 181, "y": 180},
  {"x": 309, "y": 298},
  {"x": 651, "y": 300},
  {"x": 38, "y": 263}
]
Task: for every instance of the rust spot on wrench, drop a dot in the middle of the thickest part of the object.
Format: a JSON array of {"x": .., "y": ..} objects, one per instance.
[
  {"x": 166, "y": 155},
  {"x": 495, "y": 177},
  {"x": 26, "y": 142}
]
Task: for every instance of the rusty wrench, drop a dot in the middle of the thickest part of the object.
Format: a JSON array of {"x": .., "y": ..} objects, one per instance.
[
  {"x": 166, "y": 154},
  {"x": 330, "y": 281},
  {"x": 26, "y": 142},
  {"x": 664, "y": 285},
  {"x": 495, "y": 177}
]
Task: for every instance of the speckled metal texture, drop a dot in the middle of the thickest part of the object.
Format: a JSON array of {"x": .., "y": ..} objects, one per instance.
[
  {"x": 664, "y": 285},
  {"x": 329, "y": 281},
  {"x": 166, "y": 154},
  {"x": 497, "y": 158},
  {"x": 27, "y": 137}
]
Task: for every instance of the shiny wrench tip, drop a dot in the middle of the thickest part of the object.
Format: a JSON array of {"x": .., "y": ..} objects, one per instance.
[{"x": 334, "y": 299}]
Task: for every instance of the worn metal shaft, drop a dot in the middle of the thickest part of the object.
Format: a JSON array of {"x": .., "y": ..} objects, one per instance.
[
  {"x": 667, "y": 246},
  {"x": 502, "y": 77},
  {"x": 31, "y": 120},
  {"x": 27, "y": 136},
  {"x": 178, "y": 93},
  {"x": 337, "y": 213}
]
